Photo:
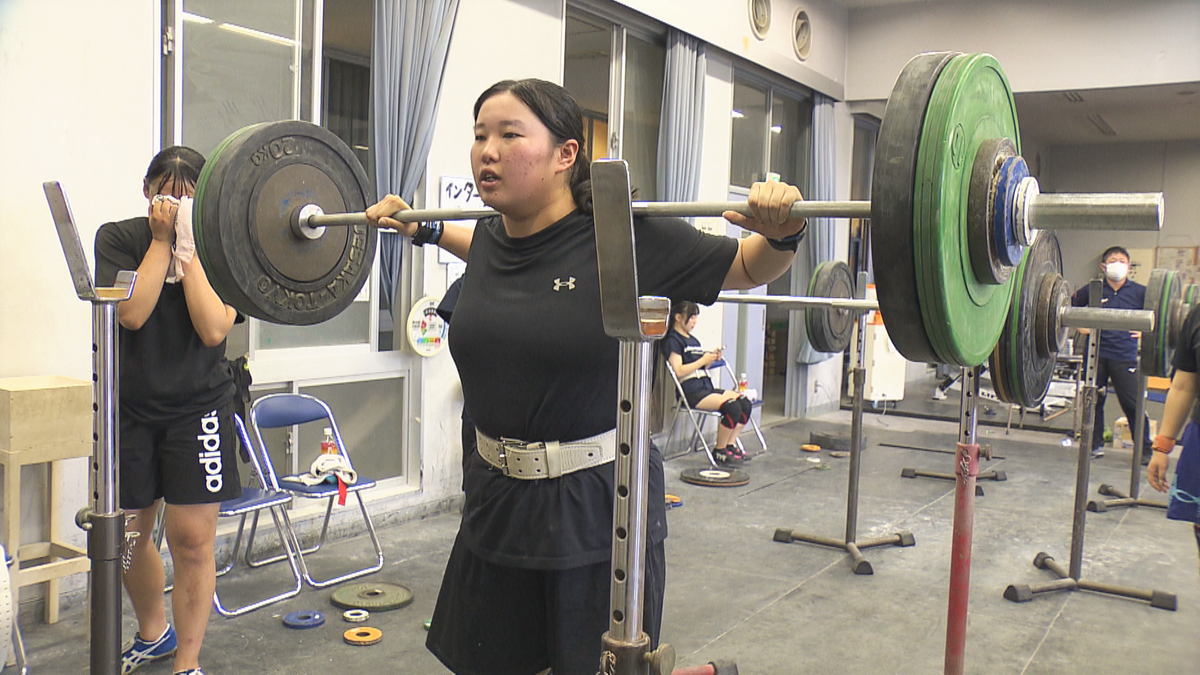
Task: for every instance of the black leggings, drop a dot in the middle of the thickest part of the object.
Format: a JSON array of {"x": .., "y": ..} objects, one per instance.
[{"x": 1124, "y": 379}]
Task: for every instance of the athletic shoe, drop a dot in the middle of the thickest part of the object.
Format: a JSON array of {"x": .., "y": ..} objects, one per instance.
[
  {"x": 737, "y": 453},
  {"x": 193, "y": 671},
  {"x": 723, "y": 456},
  {"x": 1097, "y": 453},
  {"x": 140, "y": 652}
]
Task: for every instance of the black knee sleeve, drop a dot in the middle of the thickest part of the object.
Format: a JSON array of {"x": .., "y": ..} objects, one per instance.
[
  {"x": 747, "y": 407},
  {"x": 731, "y": 413}
]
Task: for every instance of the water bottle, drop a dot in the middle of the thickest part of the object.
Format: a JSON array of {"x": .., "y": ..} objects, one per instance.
[
  {"x": 328, "y": 445},
  {"x": 743, "y": 384}
]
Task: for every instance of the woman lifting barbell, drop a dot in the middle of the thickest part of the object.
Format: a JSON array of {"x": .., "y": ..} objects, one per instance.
[{"x": 526, "y": 587}]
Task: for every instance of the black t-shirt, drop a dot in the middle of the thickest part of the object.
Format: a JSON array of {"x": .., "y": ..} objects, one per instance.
[
  {"x": 536, "y": 365},
  {"x": 1187, "y": 350},
  {"x": 167, "y": 374},
  {"x": 1117, "y": 345},
  {"x": 689, "y": 350}
]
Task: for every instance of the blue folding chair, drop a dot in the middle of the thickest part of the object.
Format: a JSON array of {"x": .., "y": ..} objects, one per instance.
[{"x": 286, "y": 410}]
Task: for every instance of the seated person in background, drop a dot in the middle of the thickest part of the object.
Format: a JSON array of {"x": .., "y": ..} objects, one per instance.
[{"x": 689, "y": 361}]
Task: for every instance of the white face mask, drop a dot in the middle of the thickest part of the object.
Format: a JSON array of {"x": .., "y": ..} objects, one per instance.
[{"x": 1116, "y": 271}]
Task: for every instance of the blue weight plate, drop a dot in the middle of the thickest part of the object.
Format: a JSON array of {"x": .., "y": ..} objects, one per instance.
[{"x": 305, "y": 618}]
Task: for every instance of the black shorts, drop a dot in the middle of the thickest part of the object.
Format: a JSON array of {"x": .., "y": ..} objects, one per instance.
[
  {"x": 191, "y": 462},
  {"x": 496, "y": 620}
]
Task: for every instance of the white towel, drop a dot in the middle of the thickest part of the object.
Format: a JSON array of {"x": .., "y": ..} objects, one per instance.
[
  {"x": 327, "y": 466},
  {"x": 184, "y": 248}
]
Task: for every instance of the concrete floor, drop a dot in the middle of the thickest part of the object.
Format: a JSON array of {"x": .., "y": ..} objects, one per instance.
[{"x": 733, "y": 593}]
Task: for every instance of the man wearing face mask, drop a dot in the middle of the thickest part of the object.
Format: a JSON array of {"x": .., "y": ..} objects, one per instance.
[{"x": 1118, "y": 348}]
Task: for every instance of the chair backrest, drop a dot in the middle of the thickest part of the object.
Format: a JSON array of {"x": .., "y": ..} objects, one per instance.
[
  {"x": 284, "y": 410},
  {"x": 265, "y": 480}
]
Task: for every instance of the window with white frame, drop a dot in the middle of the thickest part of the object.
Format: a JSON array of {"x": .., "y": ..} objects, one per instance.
[
  {"x": 613, "y": 66},
  {"x": 227, "y": 64}
]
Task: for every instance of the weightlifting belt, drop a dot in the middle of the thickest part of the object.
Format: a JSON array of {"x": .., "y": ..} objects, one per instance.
[{"x": 549, "y": 459}]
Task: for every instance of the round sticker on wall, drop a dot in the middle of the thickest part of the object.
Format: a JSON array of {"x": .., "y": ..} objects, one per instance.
[{"x": 426, "y": 330}]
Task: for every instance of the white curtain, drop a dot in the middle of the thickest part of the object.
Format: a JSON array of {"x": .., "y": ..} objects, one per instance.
[
  {"x": 412, "y": 38},
  {"x": 682, "y": 121},
  {"x": 818, "y": 245}
]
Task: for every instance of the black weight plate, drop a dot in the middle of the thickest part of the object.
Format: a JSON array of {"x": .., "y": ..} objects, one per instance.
[
  {"x": 254, "y": 186},
  {"x": 893, "y": 185},
  {"x": 710, "y": 477},
  {"x": 829, "y": 329},
  {"x": 307, "y": 618},
  {"x": 1020, "y": 370},
  {"x": 375, "y": 597},
  {"x": 1162, "y": 291},
  {"x": 829, "y": 440}
]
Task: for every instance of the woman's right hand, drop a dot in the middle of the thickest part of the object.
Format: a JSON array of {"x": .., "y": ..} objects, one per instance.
[
  {"x": 380, "y": 214},
  {"x": 712, "y": 357},
  {"x": 1156, "y": 473},
  {"x": 162, "y": 217}
]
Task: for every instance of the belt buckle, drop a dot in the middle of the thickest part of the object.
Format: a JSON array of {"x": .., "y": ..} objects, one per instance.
[{"x": 507, "y": 444}]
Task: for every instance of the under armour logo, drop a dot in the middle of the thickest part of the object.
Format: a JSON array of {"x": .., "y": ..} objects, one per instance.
[{"x": 569, "y": 284}]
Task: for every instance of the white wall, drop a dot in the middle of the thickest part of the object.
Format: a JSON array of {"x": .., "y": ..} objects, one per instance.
[
  {"x": 76, "y": 106},
  {"x": 537, "y": 53},
  {"x": 1170, "y": 168},
  {"x": 726, "y": 25},
  {"x": 1043, "y": 46}
]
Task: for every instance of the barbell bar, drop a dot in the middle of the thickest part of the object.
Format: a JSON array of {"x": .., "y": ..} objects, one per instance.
[
  {"x": 1069, "y": 317},
  {"x": 1098, "y": 211}
]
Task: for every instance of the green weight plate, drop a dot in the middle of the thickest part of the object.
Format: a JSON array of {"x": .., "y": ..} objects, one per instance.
[
  {"x": 1163, "y": 294},
  {"x": 373, "y": 597},
  {"x": 829, "y": 329},
  {"x": 892, "y": 194},
  {"x": 971, "y": 103},
  {"x": 206, "y": 234},
  {"x": 1023, "y": 361},
  {"x": 255, "y": 185},
  {"x": 1191, "y": 294}
]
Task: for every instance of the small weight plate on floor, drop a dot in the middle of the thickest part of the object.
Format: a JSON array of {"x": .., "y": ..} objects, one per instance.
[
  {"x": 356, "y": 615},
  {"x": 1162, "y": 295},
  {"x": 709, "y": 477},
  {"x": 253, "y": 188},
  {"x": 893, "y": 192},
  {"x": 364, "y": 636},
  {"x": 378, "y": 596},
  {"x": 830, "y": 441},
  {"x": 829, "y": 329},
  {"x": 305, "y": 618}
]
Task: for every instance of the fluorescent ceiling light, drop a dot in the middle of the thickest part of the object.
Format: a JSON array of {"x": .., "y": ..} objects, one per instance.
[
  {"x": 738, "y": 114},
  {"x": 196, "y": 18},
  {"x": 776, "y": 129},
  {"x": 250, "y": 32}
]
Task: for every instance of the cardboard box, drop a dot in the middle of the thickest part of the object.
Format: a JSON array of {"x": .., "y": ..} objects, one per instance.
[
  {"x": 43, "y": 411},
  {"x": 1123, "y": 435}
]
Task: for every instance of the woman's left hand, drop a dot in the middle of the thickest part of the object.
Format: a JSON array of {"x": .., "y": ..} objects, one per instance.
[{"x": 771, "y": 206}]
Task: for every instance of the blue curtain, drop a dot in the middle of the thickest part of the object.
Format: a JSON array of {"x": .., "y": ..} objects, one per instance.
[
  {"x": 818, "y": 245},
  {"x": 682, "y": 121},
  {"x": 412, "y": 38}
]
